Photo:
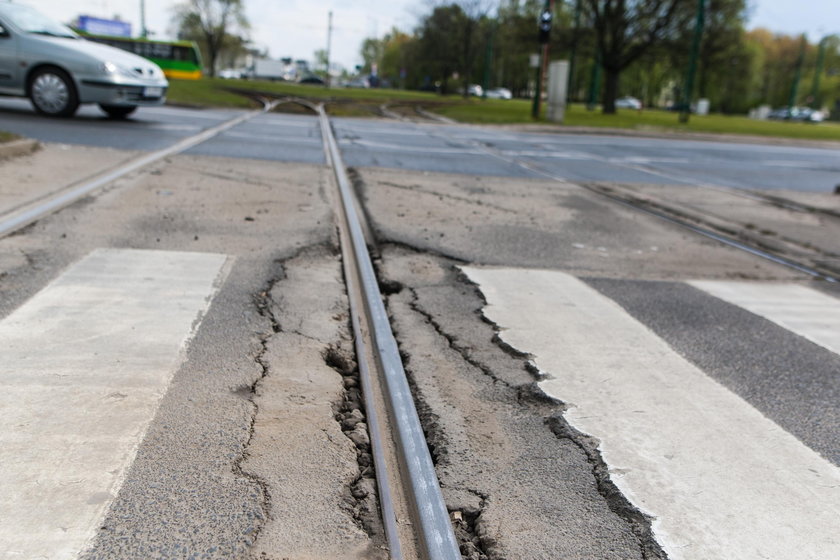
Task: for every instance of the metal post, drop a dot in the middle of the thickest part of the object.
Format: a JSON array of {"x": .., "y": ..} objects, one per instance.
[
  {"x": 541, "y": 69},
  {"x": 573, "y": 55},
  {"x": 594, "y": 82},
  {"x": 794, "y": 90},
  {"x": 143, "y": 31},
  {"x": 329, "y": 46},
  {"x": 685, "y": 109},
  {"x": 815, "y": 87}
]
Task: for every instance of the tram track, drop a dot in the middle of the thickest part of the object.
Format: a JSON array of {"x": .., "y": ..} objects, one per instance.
[
  {"x": 415, "y": 517},
  {"x": 21, "y": 215},
  {"x": 817, "y": 264}
]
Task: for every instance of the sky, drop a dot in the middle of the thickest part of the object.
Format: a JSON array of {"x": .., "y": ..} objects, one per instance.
[{"x": 297, "y": 28}]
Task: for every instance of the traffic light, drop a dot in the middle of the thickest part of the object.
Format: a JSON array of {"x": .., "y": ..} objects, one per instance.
[{"x": 545, "y": 25}]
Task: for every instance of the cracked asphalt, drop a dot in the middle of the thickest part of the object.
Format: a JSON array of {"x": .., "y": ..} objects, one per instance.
[{"x": 258, "y": 448}]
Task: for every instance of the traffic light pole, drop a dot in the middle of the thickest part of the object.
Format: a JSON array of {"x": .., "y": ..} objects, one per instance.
[{"x": 545, "y": 28}]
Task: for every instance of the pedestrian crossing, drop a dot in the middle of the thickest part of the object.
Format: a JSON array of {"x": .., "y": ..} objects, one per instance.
[
  {"x": 85, "y": 364},
  {"x": 86, "y": 361},
  {"x": 719, "y": 478}
]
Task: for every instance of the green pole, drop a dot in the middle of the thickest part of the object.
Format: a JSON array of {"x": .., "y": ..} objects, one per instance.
[
  {"x": 685, "y": 109},
  {"x": 594, "y": 83},
  {"x": 815, "y": 88},
  {"x": 573, "y": 55},
  {"x": 794, "y": 90}
]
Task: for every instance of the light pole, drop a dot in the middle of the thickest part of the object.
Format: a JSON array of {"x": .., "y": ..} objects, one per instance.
[
  {"x": 143, "y": 31},
  {"x": 573, "y": 55},
  {"x": 329, "y": 46},
  {"x": 815, "y": 87}
]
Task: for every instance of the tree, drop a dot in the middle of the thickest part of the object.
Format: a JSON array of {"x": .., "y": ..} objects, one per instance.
[
  {"x": 625, "y": 30},
  {"x": 440, "y": 43},
  {"x": 214, "y": 24}
]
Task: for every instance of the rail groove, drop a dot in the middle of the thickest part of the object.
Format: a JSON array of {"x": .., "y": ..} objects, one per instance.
[{"x": 434, "y": 533}]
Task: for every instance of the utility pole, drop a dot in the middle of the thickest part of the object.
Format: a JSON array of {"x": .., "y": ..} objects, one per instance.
[
  {"x": 545, "y": 30},
  {"x": 143, "y": 31},
  {"x": 573, "y": 56},
  {"x": 329, "y": 46},
  {"x": 685, "y": 109},
  {"x": 794, "y": 90},
  {"x": 815, "y": 87}
]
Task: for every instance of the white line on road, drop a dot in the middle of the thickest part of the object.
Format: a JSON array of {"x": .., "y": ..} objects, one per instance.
[
  {"x": 413, "y": 149},
  {"x": 721, "y": 480},
  {"x": 85, "y": 364},
  {"x": 799, "y": 309}
]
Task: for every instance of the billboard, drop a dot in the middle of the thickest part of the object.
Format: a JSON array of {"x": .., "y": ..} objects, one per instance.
[{"x": 97, "y": 26}]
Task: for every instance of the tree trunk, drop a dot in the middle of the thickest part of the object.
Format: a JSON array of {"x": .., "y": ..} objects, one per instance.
[{"x": 610, "y": 90}]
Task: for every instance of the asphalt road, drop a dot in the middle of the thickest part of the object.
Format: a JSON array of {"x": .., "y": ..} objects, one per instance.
[
  {"x": 248, "y": 419},
  {"x": 455, "y": 149}
]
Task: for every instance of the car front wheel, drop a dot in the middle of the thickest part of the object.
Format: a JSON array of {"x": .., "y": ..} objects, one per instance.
[
  {"x": 53, "y": 93},
  {"x": 118, "y": 111}
]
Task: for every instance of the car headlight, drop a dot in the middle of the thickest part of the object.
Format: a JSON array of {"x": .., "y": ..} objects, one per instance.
[{"x": 114, "y": 69}]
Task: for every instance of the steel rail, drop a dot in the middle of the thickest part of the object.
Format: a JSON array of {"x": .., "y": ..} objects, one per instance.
[
  {"x": 436, "y": 536},
  {"x": 35, "y": 212}
]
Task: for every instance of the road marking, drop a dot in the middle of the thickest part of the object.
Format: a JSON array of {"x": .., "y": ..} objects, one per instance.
[
  {"x": 411, "y": 149},
  {"x": 721, "y": 480},
  {"x": 85, "y": 364},
  {"x": 799, "y": 309}
]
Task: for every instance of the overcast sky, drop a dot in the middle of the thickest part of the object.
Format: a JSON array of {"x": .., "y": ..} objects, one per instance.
[{"x": 297, "y": 28}]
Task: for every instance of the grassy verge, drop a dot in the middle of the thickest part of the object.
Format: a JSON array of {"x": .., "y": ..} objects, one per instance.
[
  {"x": 519, "y": 111},
  {"x": 366, "y": 102},
  {"x": 7, "y": 136}
]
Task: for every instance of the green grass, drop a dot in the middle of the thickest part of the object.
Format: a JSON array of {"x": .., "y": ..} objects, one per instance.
[
  {"x": 519, "y": 111},
  {"x": 366, "y": 102},
  {"x": 7, "y": 136}
]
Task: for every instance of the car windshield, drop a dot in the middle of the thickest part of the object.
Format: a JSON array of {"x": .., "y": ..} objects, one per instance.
[{"x": 31, "y": 20}]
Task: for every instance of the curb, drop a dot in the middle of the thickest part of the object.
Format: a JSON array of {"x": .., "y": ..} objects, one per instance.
[{"x": 18, "y": 148}]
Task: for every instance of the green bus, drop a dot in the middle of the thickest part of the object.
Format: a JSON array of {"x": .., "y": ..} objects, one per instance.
[{"x": 180, "y": 60}]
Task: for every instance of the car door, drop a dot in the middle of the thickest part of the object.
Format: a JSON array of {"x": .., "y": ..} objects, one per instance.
[{"x": 10, "y": 70}]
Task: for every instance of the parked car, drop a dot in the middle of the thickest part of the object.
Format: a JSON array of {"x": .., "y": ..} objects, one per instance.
[
  {"x": 57, "y": 70},
  {"x": 499, "y": 93},
  {"x": 231, "y": 74},
  {"x": 802, "y": 114},
  {"x": 628, "y": 103},
  {"x": 475, "y": 90},
  {"x": 311, "y": 79}
]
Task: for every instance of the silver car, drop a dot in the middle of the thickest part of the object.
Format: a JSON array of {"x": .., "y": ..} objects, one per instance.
[{"x": 57, "y": 70}]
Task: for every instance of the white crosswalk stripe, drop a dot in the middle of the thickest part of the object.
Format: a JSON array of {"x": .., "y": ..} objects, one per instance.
[
  {"x": 802, "y": 310},
  {"x": 85, "y": 364},
  {"x": 720, "y": 479}
]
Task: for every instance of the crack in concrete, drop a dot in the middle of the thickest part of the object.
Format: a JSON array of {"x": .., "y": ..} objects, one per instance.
[
  {"x": 361, "y": 499},
  {"x": 475, "y": 539},
  {"x": 639, "y": 522},
  {"x": 452, "y": 341},
  {"x": 532, "y": 395},
  {"x": 442, "y": 196}
]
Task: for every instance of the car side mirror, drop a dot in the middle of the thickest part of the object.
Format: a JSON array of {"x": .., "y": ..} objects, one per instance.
[{"x": 3, "y": 33}]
